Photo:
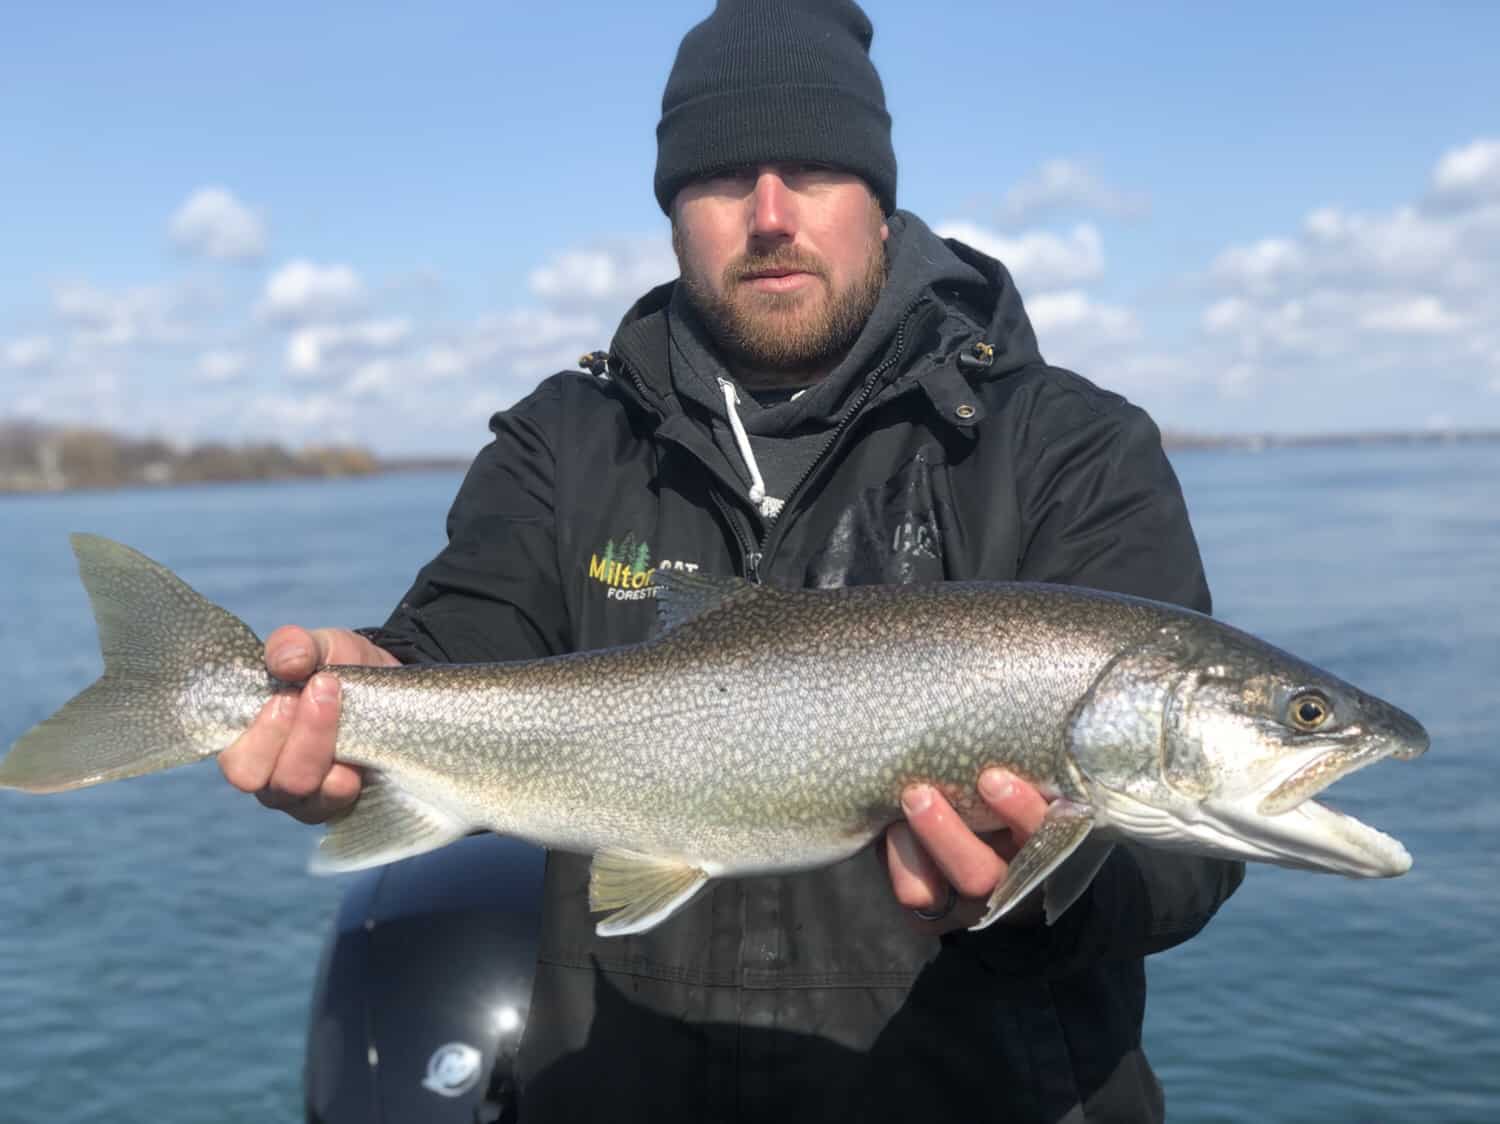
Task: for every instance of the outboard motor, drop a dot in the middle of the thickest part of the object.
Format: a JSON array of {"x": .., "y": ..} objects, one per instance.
[{"x": 423, "y": 989}]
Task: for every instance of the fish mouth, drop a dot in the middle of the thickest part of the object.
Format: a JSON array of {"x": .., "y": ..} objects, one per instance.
[
  {"x": 1332, "y": 761},
  {"x": 1345, "y": 845},
  {"x": 1302, "y": 832}
]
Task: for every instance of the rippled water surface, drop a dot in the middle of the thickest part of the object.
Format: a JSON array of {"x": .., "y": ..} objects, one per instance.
[{"x": 158, "y": 938}]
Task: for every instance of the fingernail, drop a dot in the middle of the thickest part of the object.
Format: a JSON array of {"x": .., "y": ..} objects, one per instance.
[
  {"x": 996, "y": 784},
  {"x": 285, "y": 659},
  {"x": 325, "y": 689},
  {"x": 283, "y": 706},
  {"x": 916, "y": 800}
]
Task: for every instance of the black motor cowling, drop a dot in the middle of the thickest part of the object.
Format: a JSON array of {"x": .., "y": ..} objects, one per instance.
[{"x": 423, "y": 989}]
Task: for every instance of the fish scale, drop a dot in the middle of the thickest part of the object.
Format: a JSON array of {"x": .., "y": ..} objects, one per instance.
[{"x": 768, "y": 730}]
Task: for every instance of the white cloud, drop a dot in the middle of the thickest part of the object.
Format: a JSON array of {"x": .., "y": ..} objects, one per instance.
[
  {"x": 145, "y": 314},
  {"x": 90, "y": 393},
  {"x": 1226, "y": 315},
  {"x": 372, "y": 380},
  {"x": 1066, "y": 184},
  {"x": 27, "y": 353},
  {"x": 1416, "y": 315},
  {"x": 443, "y": 361},
  {"x": 1384, "y": 304},
  {"x": 1385, "y": 297},
  {"x": 1260, "y": 265},
  {"x": 212, "y": 222},
  {"x": 221, "y": 366},
  {"x": 1077, "y": 331},
  {"x": 1038, "y": 259},
  {"x": 320, "y": 349},
  {"x": 1469, "y": 175},
  {"x": 1075, "y": 312},
  {"x": 300, "y": 413},
  {"x": 302, "y": 290},
  {"x": 610, "y": 274}
]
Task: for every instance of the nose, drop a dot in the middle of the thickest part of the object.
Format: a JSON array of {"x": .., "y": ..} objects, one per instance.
[{"x": 774, "y": 208}]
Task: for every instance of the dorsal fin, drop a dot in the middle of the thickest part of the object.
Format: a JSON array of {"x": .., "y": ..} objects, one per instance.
[{"x": 683, "y": 594}]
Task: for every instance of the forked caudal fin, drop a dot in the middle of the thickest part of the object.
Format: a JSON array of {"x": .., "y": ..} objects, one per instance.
[{"x": 163, "y": 644}]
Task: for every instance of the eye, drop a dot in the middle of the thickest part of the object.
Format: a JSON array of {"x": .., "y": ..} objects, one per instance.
[
  {"x": 728, "y": 180},
  {"x": 805, "y": 173},
  {"x": 1308, "y": 712}
]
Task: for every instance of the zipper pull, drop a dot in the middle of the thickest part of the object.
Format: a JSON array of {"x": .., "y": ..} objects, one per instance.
[{"x": 752, "y": 566}]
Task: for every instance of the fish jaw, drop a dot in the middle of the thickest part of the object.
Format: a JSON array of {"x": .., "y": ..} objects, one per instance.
[{"x": 1306, "y": 836}]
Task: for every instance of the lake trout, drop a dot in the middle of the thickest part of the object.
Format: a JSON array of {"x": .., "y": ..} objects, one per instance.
[{"x": 768, "y": 731}]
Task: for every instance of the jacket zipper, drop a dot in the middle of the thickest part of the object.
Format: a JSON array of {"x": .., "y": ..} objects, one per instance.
[{"x": 749, "y": 556}]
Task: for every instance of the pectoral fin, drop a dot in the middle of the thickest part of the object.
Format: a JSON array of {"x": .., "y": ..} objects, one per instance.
[
  {"x": 386, "y": 823},
  {"x": 1066, "y": 884},
  {"x": 1066, "y": 826},
  {"x": 639, "y": 891}
]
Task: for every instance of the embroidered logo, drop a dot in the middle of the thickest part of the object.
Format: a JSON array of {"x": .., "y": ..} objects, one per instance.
[{"x": 625, "y": 567}]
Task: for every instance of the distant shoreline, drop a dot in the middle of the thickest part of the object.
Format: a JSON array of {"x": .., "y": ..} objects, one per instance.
[
  {"x": 40, "y": 459},
  {"x": 1254, "y": 442}
]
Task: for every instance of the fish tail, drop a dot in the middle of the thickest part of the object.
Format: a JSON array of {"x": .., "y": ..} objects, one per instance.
[{"x": 163, "y": 645}]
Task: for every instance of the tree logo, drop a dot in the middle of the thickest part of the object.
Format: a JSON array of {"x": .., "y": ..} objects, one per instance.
[{"x": 625, "y": 567}]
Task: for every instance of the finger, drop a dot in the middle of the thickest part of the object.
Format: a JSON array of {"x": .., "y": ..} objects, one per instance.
[
  {"x": 250, "y": 759},
  {"x": 340, "y": 646},
  {"x": 919, "y": 884},
  {"x": 340, "y": 789},
  {"x": 292, "y": 654},
  {"x": 968, "y": 863},
  {"x": 915, "y": 878},
  {"x": 1018, "y": 804},
  {"x": 307, "y": 755}
]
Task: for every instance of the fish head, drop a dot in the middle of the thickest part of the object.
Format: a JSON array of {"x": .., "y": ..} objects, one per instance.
[{"x": 1207, "y": 739}]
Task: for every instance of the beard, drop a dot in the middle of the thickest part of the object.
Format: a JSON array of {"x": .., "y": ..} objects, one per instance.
[{"x": 779, "y": 339}]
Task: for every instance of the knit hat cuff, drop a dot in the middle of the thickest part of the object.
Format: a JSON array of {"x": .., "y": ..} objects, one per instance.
[{"x": 775, "y": 124}]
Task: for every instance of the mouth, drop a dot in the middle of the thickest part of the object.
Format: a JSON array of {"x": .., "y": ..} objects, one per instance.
[
  {"x": 1331, "y": 764},
  {"x": 1322, "y": 837},
  {"x": 777, "y": 280},
  {"x": 1362, "y": 851},
  {"x": 1335, "y": 760}
]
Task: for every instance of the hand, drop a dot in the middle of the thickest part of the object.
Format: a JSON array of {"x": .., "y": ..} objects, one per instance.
[
  {"x": 286, "y": 755},
  {"x": 935, "y": 850}
]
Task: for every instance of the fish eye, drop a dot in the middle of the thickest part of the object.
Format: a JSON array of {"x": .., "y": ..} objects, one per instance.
[{"x": 1308, "y": 712}]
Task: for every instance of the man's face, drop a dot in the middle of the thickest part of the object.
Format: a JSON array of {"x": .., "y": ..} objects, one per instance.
[{"x": 784, "y": 263}]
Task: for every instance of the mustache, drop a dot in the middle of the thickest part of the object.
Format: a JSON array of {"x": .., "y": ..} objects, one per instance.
[{"x": 777, "y": 261}]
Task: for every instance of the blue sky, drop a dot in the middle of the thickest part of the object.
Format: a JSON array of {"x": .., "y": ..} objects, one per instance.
[{"x": 378, "y": 224}]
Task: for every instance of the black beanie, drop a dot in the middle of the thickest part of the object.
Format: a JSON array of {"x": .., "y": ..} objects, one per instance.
[{"x": 773, "y": 81}]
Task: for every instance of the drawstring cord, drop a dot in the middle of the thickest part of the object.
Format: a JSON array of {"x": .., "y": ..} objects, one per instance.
[{"x": 768, "y": 506}]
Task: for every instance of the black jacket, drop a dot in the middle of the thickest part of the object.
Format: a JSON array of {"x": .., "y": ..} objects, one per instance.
[{"x": 812, "y": 997}]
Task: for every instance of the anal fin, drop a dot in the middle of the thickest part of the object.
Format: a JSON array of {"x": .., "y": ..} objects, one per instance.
[
  {"x": 385, "y": 824},
  {"x": 639, "y": 891},
  {"x": 1063, "y": 830}
]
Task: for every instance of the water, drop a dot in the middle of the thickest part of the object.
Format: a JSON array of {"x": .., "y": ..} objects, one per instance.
[{"x": 158, "y": 938}]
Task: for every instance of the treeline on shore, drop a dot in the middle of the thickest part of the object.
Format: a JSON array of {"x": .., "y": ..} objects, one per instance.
[
  {"x": 48, "y": 458},
  {"x": 52, "y": 458}
]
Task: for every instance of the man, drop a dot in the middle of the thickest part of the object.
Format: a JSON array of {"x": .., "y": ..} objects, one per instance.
[{"x": 829, "y": 395}]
